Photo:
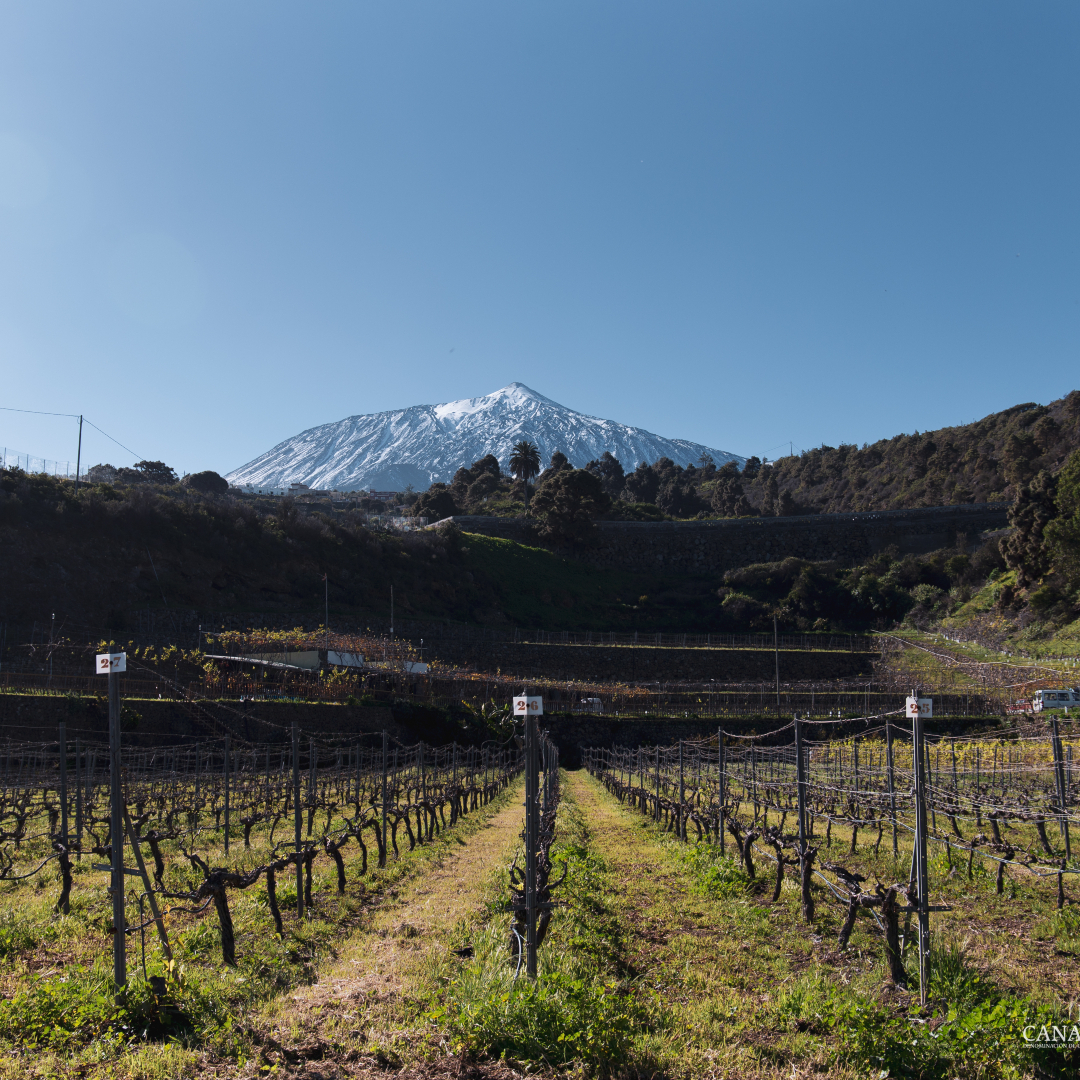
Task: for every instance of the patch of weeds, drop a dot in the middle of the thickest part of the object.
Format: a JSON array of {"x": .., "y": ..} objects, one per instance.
[
  {"x": 82, "y": 1007},
  {"x": 798, "y": 1007},
  {"x": 715, "y": 874},
  {"x": 203, "y": 940},
  {"x": 953, "y": 979},
  {"x": 557, "y": 1020},
  {"x": 589, "y": 926},
  {"x": 981, "y": 1041},
  {"x": 15, "y": 936},
  {"x": 1063, "y": 928},
  {"x": 581, "y": 1011}
]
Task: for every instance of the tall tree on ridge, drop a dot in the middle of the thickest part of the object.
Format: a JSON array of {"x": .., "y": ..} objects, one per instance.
[{"x": 525, "y": 464}]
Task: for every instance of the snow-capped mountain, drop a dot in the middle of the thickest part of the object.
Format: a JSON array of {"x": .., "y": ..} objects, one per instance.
[{"x": 385, "y": 451}]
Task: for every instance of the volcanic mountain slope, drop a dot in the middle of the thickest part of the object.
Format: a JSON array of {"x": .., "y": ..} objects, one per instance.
[{"x": 427, "y": 443}]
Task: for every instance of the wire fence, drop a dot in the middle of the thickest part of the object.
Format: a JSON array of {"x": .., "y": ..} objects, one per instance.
[
  {"x": 17, "y": 459},
  {"x": 1010, "y": 801},
  {"x": 184, "y": 805}
]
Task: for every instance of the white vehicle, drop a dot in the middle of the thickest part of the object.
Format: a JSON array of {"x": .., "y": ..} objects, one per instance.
[{"x": 1056, "y": 699}]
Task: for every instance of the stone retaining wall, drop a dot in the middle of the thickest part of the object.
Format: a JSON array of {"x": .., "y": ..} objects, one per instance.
[
  {"x": 640, "y": 663},
  {"x": 34, "y": 718},
  {"x": 711, "y": 547}
]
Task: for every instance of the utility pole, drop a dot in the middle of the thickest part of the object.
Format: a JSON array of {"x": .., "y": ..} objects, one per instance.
[
  {"x": 776, "y": 654},
  {"x": 78, "y": 457}
]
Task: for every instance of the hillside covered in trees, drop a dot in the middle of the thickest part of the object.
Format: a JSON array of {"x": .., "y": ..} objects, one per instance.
[
  {"x": 986, "y": 461},
  {"x": 146, "y": 540},
  {"x": 100, "y": 559}
]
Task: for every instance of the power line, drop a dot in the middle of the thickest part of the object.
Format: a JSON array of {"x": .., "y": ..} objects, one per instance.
[
  {"x": 138, "y": 457},
  {"x": 38, "y": 412},
  {"x": 74, "y": 416}
]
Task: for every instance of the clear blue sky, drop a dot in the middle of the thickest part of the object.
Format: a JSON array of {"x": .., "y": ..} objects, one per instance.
[{"x": 738, "y": 223}]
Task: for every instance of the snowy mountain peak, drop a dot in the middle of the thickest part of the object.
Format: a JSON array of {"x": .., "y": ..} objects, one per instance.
[
  {"x": 515, "y": 395},
  {"x": 426, "y": 443}
]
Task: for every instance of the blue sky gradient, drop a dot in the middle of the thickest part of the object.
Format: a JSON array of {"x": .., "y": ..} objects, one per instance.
[{"x": 737, "y": 223}]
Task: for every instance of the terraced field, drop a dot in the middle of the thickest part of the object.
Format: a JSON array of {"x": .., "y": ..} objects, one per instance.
[{"x": 663, "y": 959}]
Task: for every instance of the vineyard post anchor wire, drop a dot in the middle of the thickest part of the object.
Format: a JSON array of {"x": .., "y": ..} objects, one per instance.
[{"x": 158, "y": 921}]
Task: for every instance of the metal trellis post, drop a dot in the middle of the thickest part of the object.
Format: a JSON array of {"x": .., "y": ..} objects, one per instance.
[
  {"x": 531, "y": 839},
  {"x": 382, "y": 851},
  {"x": 800, "y": 784},
  {"x": 891, "y": 776},
  {"x": 720, "y": 786},
  {"x": 63, "y": 785},
  {"x": 1059, "y": 774},
  {"x": 921, "y": 869},
  {"x": 226, "y": 774},
  {"x": 297, "y": 819},
  {"x": 682, "y": 796},
  {"x": 116, "y": 834}
]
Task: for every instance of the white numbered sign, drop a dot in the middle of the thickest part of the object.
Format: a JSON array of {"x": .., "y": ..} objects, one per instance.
[
  {"x": 923, "y": 707},
  {"x": 110, "y": 662},
  {"x": 528, "y": 706}
]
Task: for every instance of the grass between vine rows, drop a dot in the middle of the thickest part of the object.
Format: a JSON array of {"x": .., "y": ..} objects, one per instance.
[
  {"x": 666, "y": 961},
  {"x": 669, "y": 962},
  {"x": 58, "y": 1013}
]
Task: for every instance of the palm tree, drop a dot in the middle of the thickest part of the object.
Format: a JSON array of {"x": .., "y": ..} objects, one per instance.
[{"x": 525, "y": 464}]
